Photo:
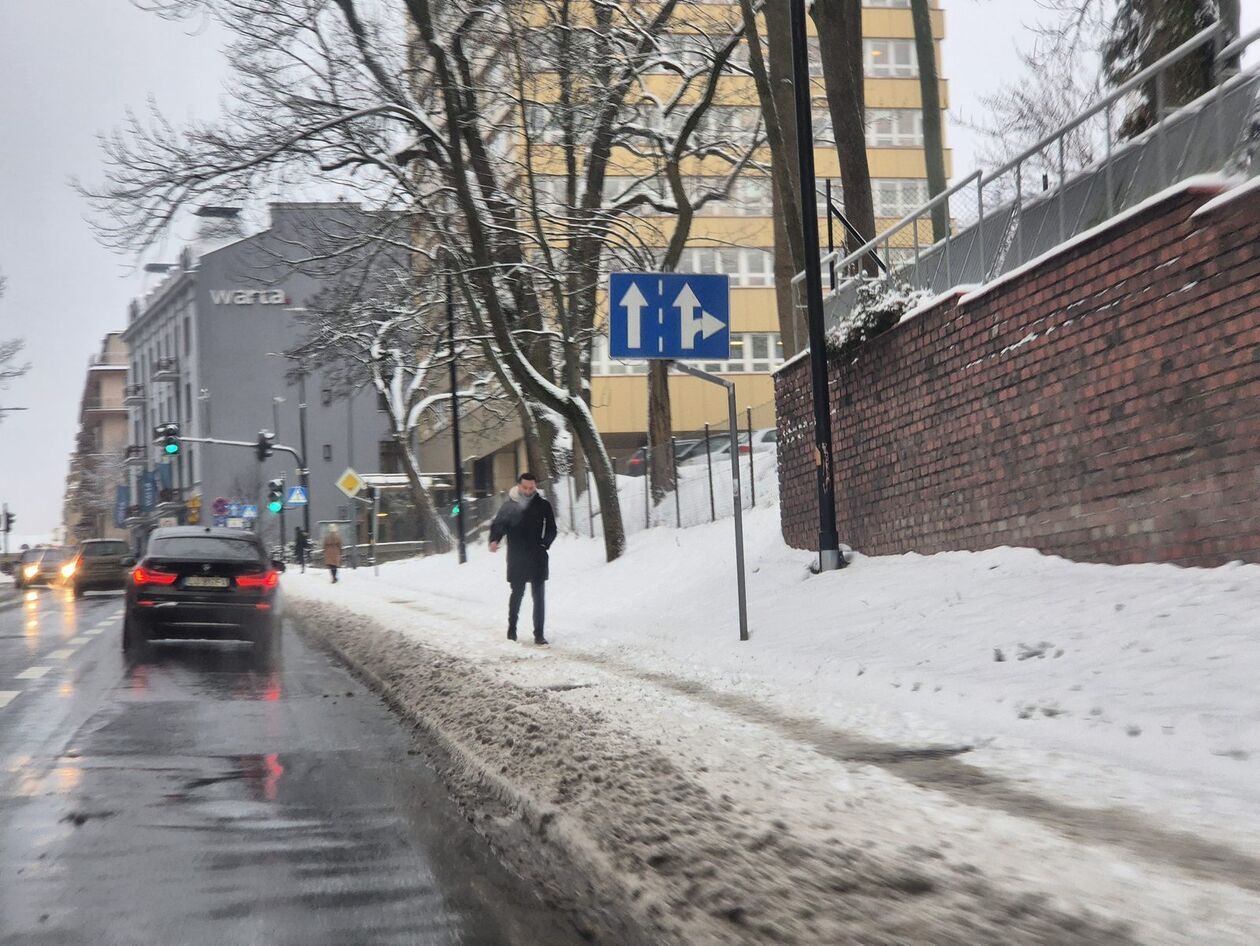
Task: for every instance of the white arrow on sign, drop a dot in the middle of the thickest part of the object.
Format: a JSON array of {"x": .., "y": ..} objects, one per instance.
[
  {"x": 634, "y": 301},
  {"x": 703, "y": 324}
]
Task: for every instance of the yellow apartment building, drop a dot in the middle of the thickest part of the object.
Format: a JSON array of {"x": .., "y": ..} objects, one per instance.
[{"x": 736, "y": 237}]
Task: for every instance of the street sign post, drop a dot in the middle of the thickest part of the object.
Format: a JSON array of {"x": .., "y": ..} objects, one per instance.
[
  {"x": 669, "y": 315},
  {"x": 351, "y": 483},
  {"x": 682, "y": 317}
]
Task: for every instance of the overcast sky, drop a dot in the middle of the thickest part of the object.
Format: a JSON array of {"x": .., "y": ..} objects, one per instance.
[{"x": 69, "y": 69}]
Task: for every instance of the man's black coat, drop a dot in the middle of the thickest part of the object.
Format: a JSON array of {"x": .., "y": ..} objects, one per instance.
[{"x": 530, "y": 529}]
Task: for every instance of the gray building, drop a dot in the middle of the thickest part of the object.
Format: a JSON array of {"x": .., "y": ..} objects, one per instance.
[{"x": 207, "y": 352}]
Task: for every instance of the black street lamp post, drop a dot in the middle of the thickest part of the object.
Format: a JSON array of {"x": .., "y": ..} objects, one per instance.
[{"x": 829, "y": 557}]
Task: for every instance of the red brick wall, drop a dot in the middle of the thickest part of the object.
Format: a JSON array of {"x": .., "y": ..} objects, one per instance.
[{"x": 1103, "y": 405}]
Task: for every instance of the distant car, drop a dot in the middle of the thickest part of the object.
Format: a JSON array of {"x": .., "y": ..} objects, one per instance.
[
  {"x": 762, "y": 441},
  {"x": 98, "y": 565},
  {"x": 696, "y": 455},
  {"x": 203, "y": 583},
  {"x": 40, "y": 566},
  {"x": 637, "y": 464}
]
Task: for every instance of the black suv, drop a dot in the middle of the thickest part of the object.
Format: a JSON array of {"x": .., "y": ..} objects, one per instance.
[
  {"x": 202, "y": 583},
  {"x": 98, "y": 565}
]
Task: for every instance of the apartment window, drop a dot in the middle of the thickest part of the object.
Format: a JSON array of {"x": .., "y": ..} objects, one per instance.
[
  {"x": 746, "y": 266},
  {"x": 390, "y": 457},
  {"x": 896, "y": 197},
  {"x": 327, "y": 451},
  {"x": 187, "y": 336},
  {"x": 896, "y": 4},
  {"x": 890, "y": 58},
  {"x": 894, "y": 128},
  {"x": 325, "y": 396}
]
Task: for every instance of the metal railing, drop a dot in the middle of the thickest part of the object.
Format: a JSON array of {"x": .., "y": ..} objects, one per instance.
[{"x": 995, "y": 221}]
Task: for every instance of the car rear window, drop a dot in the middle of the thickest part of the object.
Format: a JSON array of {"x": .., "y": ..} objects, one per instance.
[
  {"x": 206, "y": 547},
  {"x": 101, "y": 549}
]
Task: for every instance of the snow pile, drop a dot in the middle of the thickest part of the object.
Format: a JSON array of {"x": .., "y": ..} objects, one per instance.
[{"x": 891, "y": 730}]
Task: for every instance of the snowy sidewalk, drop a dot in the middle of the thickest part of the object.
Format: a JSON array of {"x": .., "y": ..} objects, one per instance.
[{"x": 965, "y": 731}]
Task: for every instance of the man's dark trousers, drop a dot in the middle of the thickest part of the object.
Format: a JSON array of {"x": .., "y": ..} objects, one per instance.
[{"x": 538, "y": 591}]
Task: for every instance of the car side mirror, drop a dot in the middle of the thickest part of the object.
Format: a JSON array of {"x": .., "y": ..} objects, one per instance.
[{"x": 277, "y": 564}]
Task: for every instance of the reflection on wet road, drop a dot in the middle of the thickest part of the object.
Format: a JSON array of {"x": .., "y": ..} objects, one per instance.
[{"x": 201, "y": 797}]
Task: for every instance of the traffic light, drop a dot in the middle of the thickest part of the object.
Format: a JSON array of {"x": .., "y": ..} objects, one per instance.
[
  {"x": 8, "y": 521},
  {"x": 454, "y": 510},
  {"x": 263, "y": 447},
  {"x": 167, "y": 436},
  {"x": 275, "y": 495}
]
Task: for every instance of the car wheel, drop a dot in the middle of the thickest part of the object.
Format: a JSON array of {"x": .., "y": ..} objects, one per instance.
[
  {"x": 267, "y": 645},
  {"x": 78, "y": 591},
  {"x": 134, "y": 642}
]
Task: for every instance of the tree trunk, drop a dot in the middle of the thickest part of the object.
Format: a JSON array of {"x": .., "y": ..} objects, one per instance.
[
  {"x": 660, "y": 430},
  {"x": 839, "y": 24},
  {"x": 772, "y": 77},
  {"x": 429, "y": 517},
  {"x": 929, "y": 90}
]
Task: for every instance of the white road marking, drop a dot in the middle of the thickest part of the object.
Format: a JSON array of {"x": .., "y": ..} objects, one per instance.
[
  {"x": 7, "y": 697},
  {"x": 78, "y": 639},
  {"x": 91, "y": 633},
  {"x": 61, "y": 654},
  {"x": 32, "y": 673}
]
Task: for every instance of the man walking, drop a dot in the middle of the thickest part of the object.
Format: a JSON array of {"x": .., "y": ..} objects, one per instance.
[{"x": 529, "y": 524}]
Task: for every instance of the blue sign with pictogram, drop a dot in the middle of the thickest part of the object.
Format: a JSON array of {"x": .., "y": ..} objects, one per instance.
[
  {"x": 297, "y": 497},
  {"x": 680, "y": 316}
]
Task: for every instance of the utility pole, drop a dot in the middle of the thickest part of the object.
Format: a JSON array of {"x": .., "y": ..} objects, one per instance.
[
  {"x": 829, "y": 557},
  {"x": 459, "y": 461},
  {"x": 305, "y": 472},
  {"x": 4, "y": 526}
]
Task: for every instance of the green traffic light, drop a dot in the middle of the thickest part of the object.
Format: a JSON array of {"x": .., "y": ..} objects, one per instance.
[
  {"x": 454, "y": 510},
  {"x": 172, "y": 448},
  {"x": 275, "y": 505}
]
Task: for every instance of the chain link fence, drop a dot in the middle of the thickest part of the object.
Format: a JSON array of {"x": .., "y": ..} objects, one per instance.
[
  {"x": 1071, "y": 181},
  {"x": 704, "y": 481}
]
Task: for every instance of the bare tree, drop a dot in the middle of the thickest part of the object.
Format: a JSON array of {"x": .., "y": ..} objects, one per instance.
[
  {"x": 839, "y": 25},
  {"x": 770, "y": 64},
  {"x": 500, "y": 128},
  {"x": 930, "y": 96},
  {"x": 10, "y": 349}
]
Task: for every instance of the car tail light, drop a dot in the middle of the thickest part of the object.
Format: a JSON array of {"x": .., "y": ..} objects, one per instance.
[
  {"x": 147, "y": 576},
  {"x": 268, "y": 579},
  {"x": 744, "y": 448}
]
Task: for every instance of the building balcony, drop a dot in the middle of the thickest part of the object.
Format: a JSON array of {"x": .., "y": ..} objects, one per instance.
[
  {"x": 103, "y": 405},
  {"x": 133, "y": 395},
  {"x": 109, "y": 361},
  {"x": 135, "y": 455},
  {"x": 167, "y": 370}
]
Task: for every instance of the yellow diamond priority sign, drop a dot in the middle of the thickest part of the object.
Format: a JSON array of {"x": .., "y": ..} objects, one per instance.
[{"x": 350, "y": 482}]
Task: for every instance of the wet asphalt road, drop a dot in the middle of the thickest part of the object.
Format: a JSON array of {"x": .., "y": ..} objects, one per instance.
[{"x": 199, "y": 796}]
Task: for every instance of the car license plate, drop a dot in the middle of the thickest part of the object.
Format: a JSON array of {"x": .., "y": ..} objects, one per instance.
[{"x": 201, "y": 581}]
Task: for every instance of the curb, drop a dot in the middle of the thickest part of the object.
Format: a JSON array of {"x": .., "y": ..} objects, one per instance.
[{"x": 530, "y": 838}]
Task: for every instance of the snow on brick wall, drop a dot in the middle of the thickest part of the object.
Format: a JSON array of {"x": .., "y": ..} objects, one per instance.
[{"x": 1104, "y": 406}]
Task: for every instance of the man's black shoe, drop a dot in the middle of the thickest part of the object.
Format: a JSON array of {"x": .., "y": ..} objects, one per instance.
[
  {"x": 539, "y": 639},
  {"x": 511, "y": 635}
]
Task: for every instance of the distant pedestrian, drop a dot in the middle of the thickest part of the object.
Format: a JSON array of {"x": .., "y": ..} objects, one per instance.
[
  {"x": 529, "y": 524},
  {"x": 332, "y": 550}
]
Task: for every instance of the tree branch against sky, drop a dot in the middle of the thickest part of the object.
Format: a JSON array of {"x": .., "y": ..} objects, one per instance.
[{"x": 317, "y": 96}]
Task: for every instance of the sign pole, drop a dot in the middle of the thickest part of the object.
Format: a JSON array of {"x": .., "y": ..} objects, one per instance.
[
  {"x": 376, "y": 518},
  {"x": 735, "y": 489}
]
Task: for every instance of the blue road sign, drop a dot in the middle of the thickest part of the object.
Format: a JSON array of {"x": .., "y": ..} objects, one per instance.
[
  {"x": 682, "y": 316},
  {"x": 234, "y": 510},
  {"x": 249, "y": 512},
  {"x": 297, "y": 497}
]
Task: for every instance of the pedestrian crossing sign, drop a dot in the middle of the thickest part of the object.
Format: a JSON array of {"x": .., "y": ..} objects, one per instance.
[{"x": 297, "y": 497}]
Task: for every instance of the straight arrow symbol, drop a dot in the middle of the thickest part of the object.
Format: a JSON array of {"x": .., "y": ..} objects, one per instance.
[{"x": 634, "y": 302}]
